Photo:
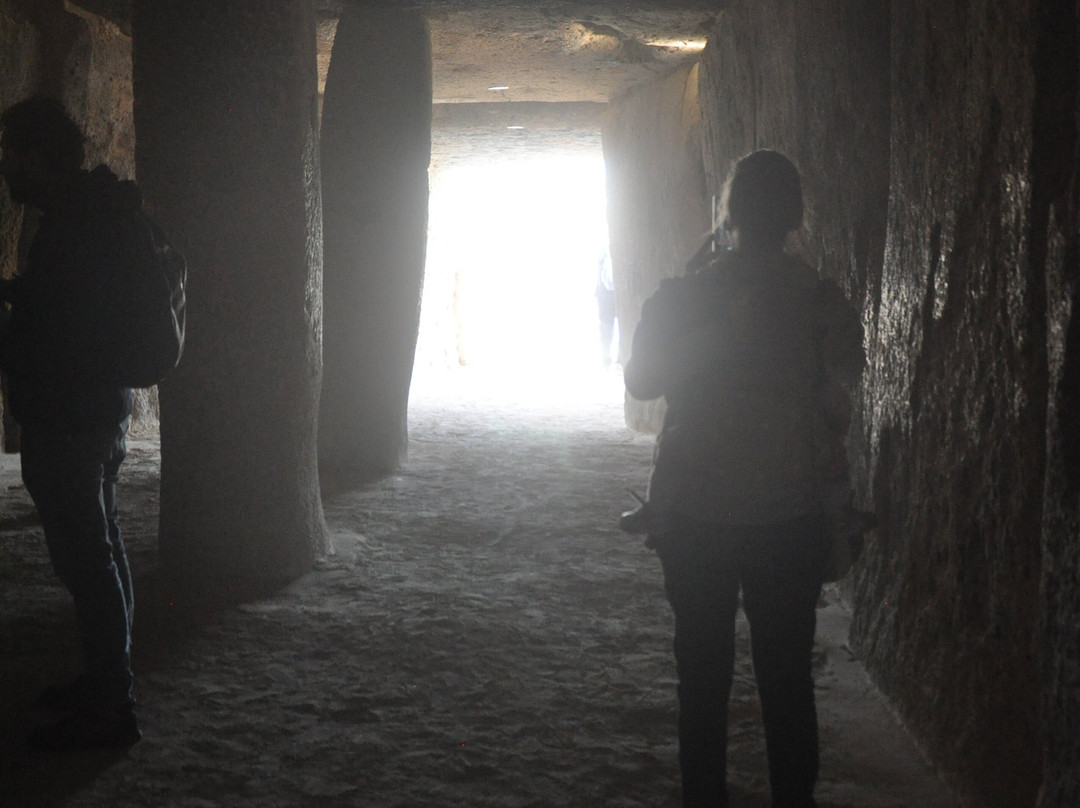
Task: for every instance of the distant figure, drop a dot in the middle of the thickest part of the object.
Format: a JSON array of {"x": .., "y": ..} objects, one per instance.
[
  {"x": 747, "y": 351},
  {"x": 605, "y": 305},
  {"x": 73, "y": 418}
]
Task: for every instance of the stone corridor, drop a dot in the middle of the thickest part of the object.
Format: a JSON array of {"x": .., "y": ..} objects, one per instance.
[{"x": 482, "y": 636}]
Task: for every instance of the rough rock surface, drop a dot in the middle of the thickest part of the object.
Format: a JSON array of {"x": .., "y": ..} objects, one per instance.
[
  {"x": 19, "y": 44},
  {"x": 240, "y": 494},
  {"x": 812, "y": 82},
  {"x": 540, "y": 53},
  {"x": 98, "y": 93},
  {"x": 19, "y": 47},
  {"x": 955, "y": 403},
  {"x": 1055, "y": 245},
  {"x": 560, "y": 50},
  {"x": 376, "y": 147}
]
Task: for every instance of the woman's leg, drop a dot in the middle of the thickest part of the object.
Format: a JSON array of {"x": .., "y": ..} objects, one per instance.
[
  {"x": 703, "y": 589},
  {"x": 782, "y": 568}
]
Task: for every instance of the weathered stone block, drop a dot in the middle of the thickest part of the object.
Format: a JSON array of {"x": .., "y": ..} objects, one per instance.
[
  {"x": 1055, "y": 246},
  {"x": 19, "y": 48},
  {"x": 376, "y": 147},
  {"x": 955, "y": 403},
  {"x": 225, "y": 114}
]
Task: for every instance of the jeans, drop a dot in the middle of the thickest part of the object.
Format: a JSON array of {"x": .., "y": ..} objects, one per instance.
[
  {"x": 72, "y": 479},
  {"x": 780, "y": 570}
]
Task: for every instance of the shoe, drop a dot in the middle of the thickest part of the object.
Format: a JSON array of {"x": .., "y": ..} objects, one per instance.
[
  {"x": 65, "y": 697},
  {"x": 636, "y": 521},
  {"x": 88, "y": 728},
  {"x": 647, "y": 520}
]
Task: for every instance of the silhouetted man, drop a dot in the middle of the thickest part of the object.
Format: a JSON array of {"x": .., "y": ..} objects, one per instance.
[{"x": 73, "y": 418}]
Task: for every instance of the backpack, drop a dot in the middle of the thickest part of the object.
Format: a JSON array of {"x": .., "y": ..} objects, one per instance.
[{"x": 149, "y": 318}]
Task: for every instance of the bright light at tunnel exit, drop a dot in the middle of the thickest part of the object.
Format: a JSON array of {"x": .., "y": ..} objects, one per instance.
[{"x": 513, "y": 260}]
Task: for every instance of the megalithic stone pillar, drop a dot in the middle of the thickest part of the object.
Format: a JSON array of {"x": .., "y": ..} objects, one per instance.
[
  {"x": 226, "y": 153},
  {"x": 376, "y": 147}
]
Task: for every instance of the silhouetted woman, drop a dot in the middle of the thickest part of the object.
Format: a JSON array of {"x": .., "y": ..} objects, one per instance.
[{"x": 742, "y": 351}]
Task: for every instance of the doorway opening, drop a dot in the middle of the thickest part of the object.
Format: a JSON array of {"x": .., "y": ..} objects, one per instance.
[{"x": 515, "y": 250}]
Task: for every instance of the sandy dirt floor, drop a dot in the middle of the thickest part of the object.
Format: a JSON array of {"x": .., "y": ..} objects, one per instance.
[{"x": 481, "y": 636}]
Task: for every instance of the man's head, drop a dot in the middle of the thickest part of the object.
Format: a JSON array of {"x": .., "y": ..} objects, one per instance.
[
  {"x": 41, "y": 146},
  {"x": 762, "y": 199}
]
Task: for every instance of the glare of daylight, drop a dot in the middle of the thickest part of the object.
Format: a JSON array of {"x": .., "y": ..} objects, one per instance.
[{"x": 513, "y": 259}]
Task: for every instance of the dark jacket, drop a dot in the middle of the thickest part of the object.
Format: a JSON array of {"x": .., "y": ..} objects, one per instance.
[
  {"x": 741, "y": 351},
  {"x": 56, "y": 349}
]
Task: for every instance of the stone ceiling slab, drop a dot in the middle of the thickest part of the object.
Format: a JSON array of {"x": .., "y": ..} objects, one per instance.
[
  {"x": 573, "y": 56},
  {"x": 546, "y": 51}
]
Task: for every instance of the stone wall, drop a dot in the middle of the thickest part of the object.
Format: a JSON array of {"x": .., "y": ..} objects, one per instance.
[
  {"x": 20, "y": 44},
  {"x": 1055, "y": 245},
  {"x": 82, "y": 60},
  {"x": 955, "y": 403},
  {"x": 20, "y": 75},
  {"x": 659, "y": 210}
]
